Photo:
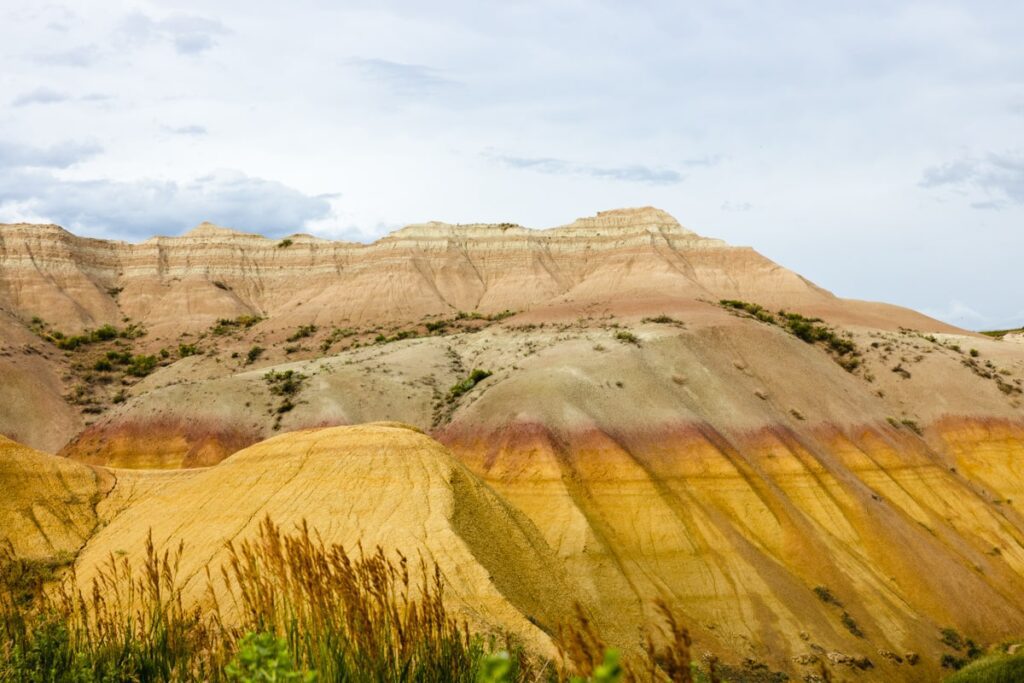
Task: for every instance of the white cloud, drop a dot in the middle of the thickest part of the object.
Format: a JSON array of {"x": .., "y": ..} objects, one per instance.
[
  {"x": 189, "y": 34},
  {"x": 141, "y": 208},
  {"x": 818, "y": 120},
  {"x": 633, "y": 173},
  {"x": 41, "y": 95}
]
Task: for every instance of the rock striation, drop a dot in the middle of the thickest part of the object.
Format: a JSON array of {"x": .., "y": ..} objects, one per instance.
[{"x": 176, "y": 284}]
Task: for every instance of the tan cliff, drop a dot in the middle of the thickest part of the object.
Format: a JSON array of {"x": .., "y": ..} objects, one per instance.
[{"x": 177, "y": 284}]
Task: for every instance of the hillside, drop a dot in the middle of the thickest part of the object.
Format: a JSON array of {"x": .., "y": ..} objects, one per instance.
[{"x": 621, "y": 411}]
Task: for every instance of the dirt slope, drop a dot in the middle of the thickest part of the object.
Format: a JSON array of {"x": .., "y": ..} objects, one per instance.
[
  {"x": 47, "y": 506},
  {"x": 378, "y": 484}
]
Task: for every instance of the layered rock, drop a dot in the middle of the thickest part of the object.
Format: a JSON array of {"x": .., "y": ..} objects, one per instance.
[{"x": 176, "y": 284}]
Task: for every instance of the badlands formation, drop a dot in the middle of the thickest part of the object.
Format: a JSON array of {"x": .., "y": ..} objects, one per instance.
[{"x": 604, "y": 414}]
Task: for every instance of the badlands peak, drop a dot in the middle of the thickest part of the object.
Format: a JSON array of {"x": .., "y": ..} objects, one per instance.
[
  {"x": 207, "y": 229},
  {"x": 612, "y": 223}
]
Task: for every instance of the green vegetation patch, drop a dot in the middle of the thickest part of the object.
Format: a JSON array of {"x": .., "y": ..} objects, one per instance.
[
  {"x": 663, "y": 320},
  {"x": 999, "y": 334},
  {"x": 302, "y": 332},
  {"x": 286, "y": 384},
  {"x": 995, "y": 668},
  {"x": 627, "y": 337},
  {"x": 242, "y": 322},
  {"x": 810, "y": 330},
  {"x": 465, "y": 385}
]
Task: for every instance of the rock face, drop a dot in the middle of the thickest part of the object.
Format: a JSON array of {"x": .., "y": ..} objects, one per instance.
[
  {"x": 835, "y": 477},
  {"x": 177, "y": 284}
]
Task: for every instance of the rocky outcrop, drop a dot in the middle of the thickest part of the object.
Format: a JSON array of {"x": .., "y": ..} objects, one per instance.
[{"x": 176, "y": 284}]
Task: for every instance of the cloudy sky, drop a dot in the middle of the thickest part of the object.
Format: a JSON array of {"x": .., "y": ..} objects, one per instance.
[{"x": 874, "y": 147}]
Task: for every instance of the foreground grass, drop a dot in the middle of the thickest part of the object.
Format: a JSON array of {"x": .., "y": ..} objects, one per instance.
[
  {"x": 995, "y": 668},
  {"x": 294, "y": 609}
]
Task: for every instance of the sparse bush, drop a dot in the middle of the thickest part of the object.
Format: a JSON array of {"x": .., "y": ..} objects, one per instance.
[
  {"x": 336, "y": 335},
  {"x": 103, "y": 365},
  {"x": 105, "y": 333},
  {"x": 253, "y": 355},
  {"x": 465, "y": 385},
  {"x": 912, "y": 426},
  {"x": 627, "y": 337},
  {"x": 119, "y": 357},
  {"x": 826, "y": 596},
  {"x": 662, "y": 320},
  {"x": 225, "y": 325},
  {"x": 302, "y": 332},
  {"x": 141, "y": 366},
  {"x": 285, "y": 243},
  {"x": 186, "y": 350},
  {"x": 851, "y": 625}
]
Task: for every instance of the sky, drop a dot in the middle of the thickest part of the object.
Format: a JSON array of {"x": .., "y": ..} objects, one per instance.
[{"x": 876, "y": 148}]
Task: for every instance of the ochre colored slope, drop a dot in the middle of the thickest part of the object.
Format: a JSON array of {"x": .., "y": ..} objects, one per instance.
[
  {"x": 731, "y": 476},
  {"x": 47, "y": 504},
  {"x": 380, "y": 484}
]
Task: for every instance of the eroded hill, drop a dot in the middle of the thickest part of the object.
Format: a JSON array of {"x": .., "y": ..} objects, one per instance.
[{"x": 652, "y": 414}]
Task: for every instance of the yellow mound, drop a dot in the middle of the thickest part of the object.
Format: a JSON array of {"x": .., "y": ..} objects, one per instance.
[
  {"x": 378, "y": 484},
  {"x": 47, "y": 503}
]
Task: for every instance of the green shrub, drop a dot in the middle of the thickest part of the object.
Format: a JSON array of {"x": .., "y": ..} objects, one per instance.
[
  {"x": 253, "y": 355},
  {"x": 105, "y": 333},
  {"x": 662, "y": 320},
  {"x": 225, "y": 325},
  {"x": 141, "y": 366},
  {"x": 285, "y": 243},
  {"x": 336, "y": 335},
  {"x": 103, "y": 365},
  {"x": 286, "y": 383},
  {"x": 627, "y": 337},
  {"x": 301, "y": 333},
  {"x": 186, "y": 350},
  {"x": 465, "y": 385},
  {"x": 71, "y": 343},
  {"x": 119, "y": 357},
  {"x": 262, "y": 658}
]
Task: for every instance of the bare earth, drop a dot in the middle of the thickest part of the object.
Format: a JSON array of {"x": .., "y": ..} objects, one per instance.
[{"x": 635, "y": 440}]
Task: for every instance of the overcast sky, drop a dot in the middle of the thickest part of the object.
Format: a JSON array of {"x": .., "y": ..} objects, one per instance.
[{"x": 877, "y": 148}]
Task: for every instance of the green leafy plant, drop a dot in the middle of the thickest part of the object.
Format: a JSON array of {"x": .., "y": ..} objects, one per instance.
[{"x": 264, "y": 658}]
